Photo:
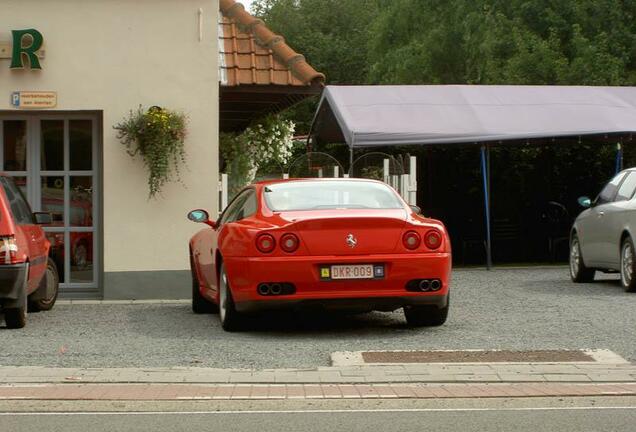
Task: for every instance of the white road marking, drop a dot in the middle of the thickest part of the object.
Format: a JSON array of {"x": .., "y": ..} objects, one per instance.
[{"x": 318, "y": 411}]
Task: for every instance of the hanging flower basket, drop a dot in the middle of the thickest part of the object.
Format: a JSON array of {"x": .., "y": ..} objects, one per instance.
[{"x": 158, "y": 136}]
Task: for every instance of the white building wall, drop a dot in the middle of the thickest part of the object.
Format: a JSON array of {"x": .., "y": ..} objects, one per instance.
[{"x": 112, "y": 56}]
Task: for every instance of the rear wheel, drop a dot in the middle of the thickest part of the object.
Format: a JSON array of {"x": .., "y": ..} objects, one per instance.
[
  {"x": 49, "y": 288},
  {"x": 578, "y": 271},
  {"x": 200, "y": 305},
  {"x": 627, "y": 265},
  {"x": 230, "y": 318},
  {"x": 426, "y": 316}
]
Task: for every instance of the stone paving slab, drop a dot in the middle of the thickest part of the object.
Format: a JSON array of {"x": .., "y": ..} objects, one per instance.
[
  {"x": 181, "y": 392},
  {"x": 475, "y": 357},
  {"x": 409, "y": 373}
]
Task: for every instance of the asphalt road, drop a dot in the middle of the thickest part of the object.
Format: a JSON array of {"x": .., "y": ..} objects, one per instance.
[
  {"x": 502, "y": 309},
  {"x": 531, "y": 419}
]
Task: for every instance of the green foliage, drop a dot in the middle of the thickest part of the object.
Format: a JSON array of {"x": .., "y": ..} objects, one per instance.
[
  {"x": 268, "y": 141},
  {"x": 585, "y": 42},
  {"x": 461, "y": 41},
  {"x": 158, "y": 135},
  {"x": 332, "y": 34}
]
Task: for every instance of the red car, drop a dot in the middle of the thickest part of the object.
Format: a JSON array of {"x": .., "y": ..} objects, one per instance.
[
  {"x": 330, "y": 243},
  {"x": 28, "y": 277}
]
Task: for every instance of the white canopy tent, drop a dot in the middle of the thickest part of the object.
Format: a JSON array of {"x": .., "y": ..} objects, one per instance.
[
  {"x": 367, "y": 116},
  {"x": 372, "y": 116}
]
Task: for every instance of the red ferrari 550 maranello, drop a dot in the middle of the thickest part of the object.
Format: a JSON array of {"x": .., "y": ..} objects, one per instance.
[{"x": 348, "y": 244}]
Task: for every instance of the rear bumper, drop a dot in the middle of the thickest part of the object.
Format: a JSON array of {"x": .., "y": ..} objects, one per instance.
[
  {"x": 386, "y": 304},
  {"x": 387, "y": 293},
  {"x": 12, "y": 278}
]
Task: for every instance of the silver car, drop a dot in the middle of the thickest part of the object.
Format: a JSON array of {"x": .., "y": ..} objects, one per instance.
[{"x": 602, "y": 237}]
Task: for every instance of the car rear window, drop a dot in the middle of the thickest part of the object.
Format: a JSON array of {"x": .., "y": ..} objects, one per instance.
[
  {"x": 324, "y": 195},
  {"x": 17, "y": 202}
]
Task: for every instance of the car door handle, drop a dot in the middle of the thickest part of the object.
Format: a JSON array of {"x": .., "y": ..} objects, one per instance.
[{"x": 601, "y": 213}]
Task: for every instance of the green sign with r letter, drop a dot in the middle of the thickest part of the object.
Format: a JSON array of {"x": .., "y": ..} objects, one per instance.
[{"x": 34, "y": 41}]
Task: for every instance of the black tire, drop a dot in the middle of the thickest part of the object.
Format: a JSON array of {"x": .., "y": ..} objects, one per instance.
[
  {"x": 50, "y": 277},
  {"x": 579, "y": 273},
  {"x": 15, "y": 317},
  {"x": 231, "y": 320},
  {"x": 200, "y": 305},
  {"x": 628, "y": 265},
  {"x": 426, "y": 316}
]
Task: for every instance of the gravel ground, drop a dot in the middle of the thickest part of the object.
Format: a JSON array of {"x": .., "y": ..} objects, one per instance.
[{"x": 503, "y": 309}]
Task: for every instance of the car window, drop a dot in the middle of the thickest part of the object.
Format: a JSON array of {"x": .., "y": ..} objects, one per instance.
[
  {"x": 248, "y": 208},
  {"x": 627, "y": 188},
  {"x": 609, "y": 191},
  {"x": 232, "y": 210},
  {"x": 19, "y": 207},
  {"x": 324, "y": 195}
]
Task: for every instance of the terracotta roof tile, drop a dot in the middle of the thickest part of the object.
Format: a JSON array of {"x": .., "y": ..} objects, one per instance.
[{"x": 251, "y": 54}]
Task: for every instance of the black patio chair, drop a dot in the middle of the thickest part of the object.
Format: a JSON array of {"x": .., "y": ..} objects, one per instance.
[{"x": 557, "y": 221}]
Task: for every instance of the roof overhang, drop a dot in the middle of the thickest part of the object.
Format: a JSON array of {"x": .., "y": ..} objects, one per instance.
[
  {"x": 241, "y": 105},
  {"x": 259, "y": 73}
]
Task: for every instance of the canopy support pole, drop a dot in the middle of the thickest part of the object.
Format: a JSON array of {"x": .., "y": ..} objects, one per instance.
[
  {"x": 485, "y": 173},
  {"x": 619, "y": 158}
]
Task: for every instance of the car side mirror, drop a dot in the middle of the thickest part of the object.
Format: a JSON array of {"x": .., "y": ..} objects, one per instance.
[
  {"x": 416, "y": 209},
  {"x": 201, "y": 216},
  {"x": 585, "y": 202},
  {"x": 43, "y": 218}
]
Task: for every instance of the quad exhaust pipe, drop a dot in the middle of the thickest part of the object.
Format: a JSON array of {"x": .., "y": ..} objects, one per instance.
[
  {"x": 424, "y": 285},
  {"x": 264, "y": 289},
  {"x": 275, "y": 288}
]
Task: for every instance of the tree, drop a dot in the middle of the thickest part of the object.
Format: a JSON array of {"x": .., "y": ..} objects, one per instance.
[
  {"x": 586, "y": 42},
  {"x": 332, "y": 34}
]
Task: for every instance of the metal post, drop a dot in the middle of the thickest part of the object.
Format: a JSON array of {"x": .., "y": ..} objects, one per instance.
[
  {"x": 404, "y": 187},
  {"x": 224, "y": 191},
  {"x": 351, "y": 161},
  {"x": 485, "y": 172},
  {"x": 413, "y": 180},
  {"x": 336, "y": 171},
  {"x": 619, "y": 158},
  {"x": 386, "y": 170}
]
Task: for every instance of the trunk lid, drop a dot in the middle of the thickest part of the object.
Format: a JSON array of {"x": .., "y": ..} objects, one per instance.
[{"x": 348, "y": 232}]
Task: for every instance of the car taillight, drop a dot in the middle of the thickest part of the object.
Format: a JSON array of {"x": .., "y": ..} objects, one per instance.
[
  {"x": 433, "y": 239},
  {"x": 289, "y": 243},
  {"x": 8, "y": 250},
  {"x": 411, "y": 240},
  {"x": 265, "y": 243}
]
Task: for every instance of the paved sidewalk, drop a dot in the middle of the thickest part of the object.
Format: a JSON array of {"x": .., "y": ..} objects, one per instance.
[
  {"x": 180, "y": 392},
  {"x": 591, "y": 372}
]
